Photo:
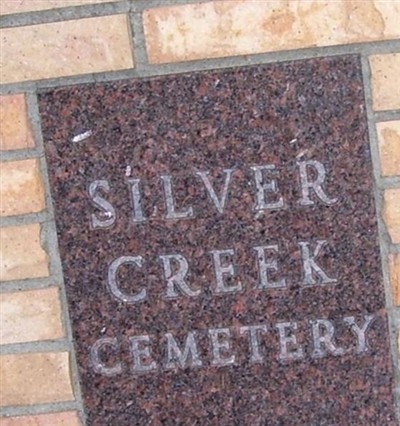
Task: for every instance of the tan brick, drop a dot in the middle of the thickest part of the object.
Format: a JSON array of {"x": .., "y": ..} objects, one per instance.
[
  {"x": 394, "y": 271},
  {"x": 18, "y": 6},
  {"x": 239, "y": 27},
  {"x": 21, "y": 255},
  {"x": 29, "y": 316},
  {"x": 389, "y": 147},
  {"x": 385, "y": 71},
  {"x": 68, "y": 418},
  {"x": 391, "y": 213},
  {"x": 65, "y": 48},
  {"x": 21, "y": 188},
  {"x": 35, "y": 378},
  {"x": 15, "y": 130}
]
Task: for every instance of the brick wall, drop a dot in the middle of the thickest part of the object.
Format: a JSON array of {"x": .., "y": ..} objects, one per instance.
[{"x": 46, "y": 43}]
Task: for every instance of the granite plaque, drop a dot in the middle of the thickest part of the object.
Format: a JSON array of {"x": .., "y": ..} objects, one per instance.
[{"x": 219, "y": 244}]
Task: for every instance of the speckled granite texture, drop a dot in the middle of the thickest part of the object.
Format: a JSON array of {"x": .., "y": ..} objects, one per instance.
[{"x": 278, "y": 114}]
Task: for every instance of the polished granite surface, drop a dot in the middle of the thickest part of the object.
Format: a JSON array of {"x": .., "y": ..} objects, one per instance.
[{"x": 219, "y": 244}]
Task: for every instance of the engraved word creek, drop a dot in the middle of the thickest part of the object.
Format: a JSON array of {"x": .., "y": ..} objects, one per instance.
[{"x": 174, "y": 273}]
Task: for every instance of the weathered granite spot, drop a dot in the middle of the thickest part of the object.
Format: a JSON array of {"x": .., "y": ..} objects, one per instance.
[{"x": 219, "y": 244}]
